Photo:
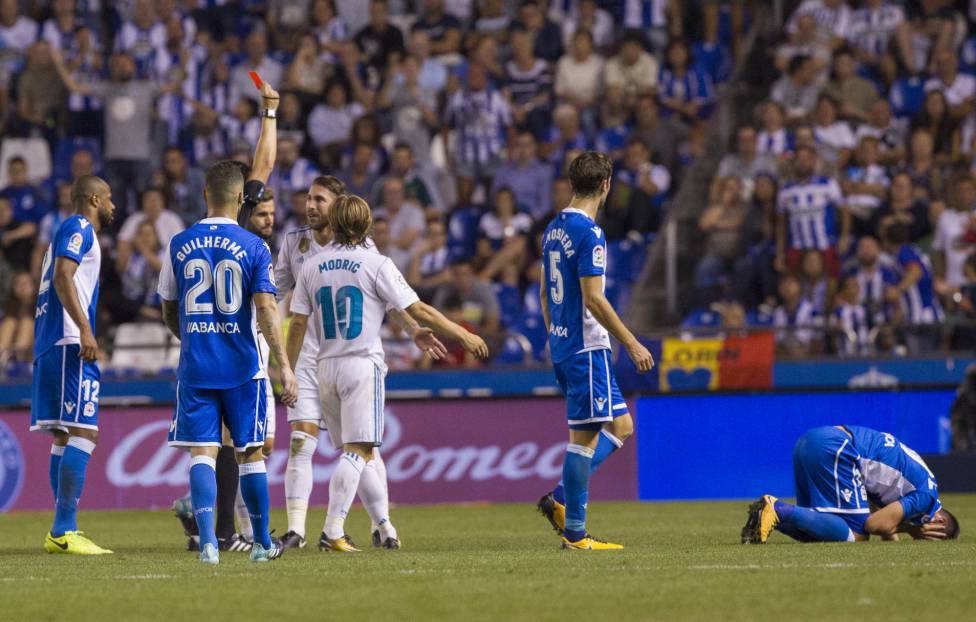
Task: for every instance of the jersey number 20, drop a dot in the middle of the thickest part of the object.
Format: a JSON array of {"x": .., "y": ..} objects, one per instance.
[
  {"x": 226, "y": 280},
  {"x": 342, "y": 315}
]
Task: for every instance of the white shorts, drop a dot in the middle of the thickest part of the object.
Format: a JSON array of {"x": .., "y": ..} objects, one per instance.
[
  {"x": 272, "y": 411},
  {"x": 307, "y": 408},
  {"x": 352, "y": 392}
]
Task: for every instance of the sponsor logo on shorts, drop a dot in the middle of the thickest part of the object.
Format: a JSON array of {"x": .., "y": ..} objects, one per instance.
[
  {"x": 70, "y": 407},
  {"x": 600, "y": 402},
  {"x": 74, "y": 243}
]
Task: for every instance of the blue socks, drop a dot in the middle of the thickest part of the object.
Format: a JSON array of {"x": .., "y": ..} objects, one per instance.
[
  {"x": 254, "y": 490},
  {"x": 576, "y": 484},
  {"x": 606, "y": 445},
  {"x": 71, "y": 481},
  {"x": 54, "y": 470},
  {"x": 203, "y": 493},
  {"x": 808, "y": 525}
]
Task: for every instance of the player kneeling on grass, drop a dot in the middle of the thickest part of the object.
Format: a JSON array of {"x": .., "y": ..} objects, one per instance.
[
  {"x": 347, "y": 289},
  {"x": 842, "y": 472}
]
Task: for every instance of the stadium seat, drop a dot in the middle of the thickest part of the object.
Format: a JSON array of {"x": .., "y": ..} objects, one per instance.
[
  {"x": 35, "y": 153},
  {"x": 142, "y": 347}
]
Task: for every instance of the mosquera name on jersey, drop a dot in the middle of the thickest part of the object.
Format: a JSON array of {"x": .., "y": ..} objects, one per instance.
[
  {"x": 214, "y": 268},
  {"x": 573, "y": 246}
]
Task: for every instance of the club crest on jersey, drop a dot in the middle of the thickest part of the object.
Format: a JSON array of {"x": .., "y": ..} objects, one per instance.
[
  {"x": 599, "y": 257},
  {"x": 600, "y": 401},
  {"x": 74, "y": 243},
  {"x": 70, "y": 407},
  {"x": 89, "y": 409},
  {"x": 303, "y": 245}
]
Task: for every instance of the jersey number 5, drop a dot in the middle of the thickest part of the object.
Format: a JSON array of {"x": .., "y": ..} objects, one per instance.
[
  {"x": 342, "y": 315},
  {"x": 556, "y": 277}
]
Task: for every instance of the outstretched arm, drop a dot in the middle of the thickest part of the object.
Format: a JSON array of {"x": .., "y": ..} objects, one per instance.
[
  {"x": 270, "y": 323},
  {"x": 267, "y": 147},
  {"x": 601, "y": 309},
  {"x": 429, "y": 316},
  {"x": 422, "y": 336}
]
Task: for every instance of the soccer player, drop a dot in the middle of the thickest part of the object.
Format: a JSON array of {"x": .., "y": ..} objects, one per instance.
[
  {"x": 306, "y": 417},
  {"x": 579, "y": 317},
  {"x": 217, "y": 279},
  {"x": 64, "y": 398},
  {"x": 348, "y": 289},
  {"x": 841, "y": 473}
]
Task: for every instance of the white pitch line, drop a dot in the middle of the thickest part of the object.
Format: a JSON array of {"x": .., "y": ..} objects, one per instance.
[{"x": 827, "y": 566}]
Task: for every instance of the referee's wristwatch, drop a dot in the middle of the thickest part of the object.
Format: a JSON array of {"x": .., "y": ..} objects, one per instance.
[{"x": 270, "y": 113}]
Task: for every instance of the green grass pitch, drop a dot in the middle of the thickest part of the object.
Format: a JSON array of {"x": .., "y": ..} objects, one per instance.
[{"x": 493, "y": 562}]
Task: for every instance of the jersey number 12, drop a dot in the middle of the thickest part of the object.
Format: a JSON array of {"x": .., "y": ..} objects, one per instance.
[{"x": 342, "y": 315}]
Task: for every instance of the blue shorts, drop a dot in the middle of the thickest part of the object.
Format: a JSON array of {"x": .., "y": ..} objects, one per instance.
[
  {"x": 64, "y": 390},
  {"x": 199, "y": 413},
  {"x": 828, "y": 478},
  {"x": 592, "y": 395}
]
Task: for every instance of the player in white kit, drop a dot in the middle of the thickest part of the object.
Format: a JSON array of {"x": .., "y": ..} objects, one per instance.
[
  {"x": 306, "y": 417},
  {"x": 347, "y": 290}
]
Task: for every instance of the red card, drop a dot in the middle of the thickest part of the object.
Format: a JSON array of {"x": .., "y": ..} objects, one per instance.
[{"x": 256, "y": 79}]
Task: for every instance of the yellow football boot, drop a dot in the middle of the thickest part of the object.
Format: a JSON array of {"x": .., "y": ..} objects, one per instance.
[
  {"x": 339, "y": 545},
  {"x": 761, "y": 522},
  {"x": 589, "y": 543},
  {"x": 554, "y": 511},
  {"x": 73, "y": 543}
]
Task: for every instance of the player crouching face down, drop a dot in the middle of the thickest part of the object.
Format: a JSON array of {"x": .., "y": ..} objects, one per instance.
[{"x": 347, "y": 289}]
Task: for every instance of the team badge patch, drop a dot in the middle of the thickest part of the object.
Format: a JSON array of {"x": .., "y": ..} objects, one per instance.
[
  {"x": 74, "y": 244},
  {"x": 303, "y": 245},
  {"x": 599, "y": 257},
  {"x": 89, "y": 409}
]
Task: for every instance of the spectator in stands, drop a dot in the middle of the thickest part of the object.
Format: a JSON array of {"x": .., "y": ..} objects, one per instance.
[
  {"x": 683, "y": 89},
  {"x": 406, "y": 222},
  {"x": 878, "y": 29},
  {"x": 915, "y": 290},
  {"x": 904, "y": 207},
  {"x": 40, "y": 95},
  {"x": 579, "y": 72},
  {"x": 721, "y": 224},
  {"x": 632, "y": 70},
  {"x": 502, "y": 235},
  {"x": 773, "y": 139},
  {"x": 413, "y": 107},
  {"x": 26, "y": 199},
  {"x": 480, "y": 116},
  {"x": 309, "y": 70},
  {"x": 17, "y": 322},
  {"x": 480, "y": 307},
  {"x": 381, "y": 233},
  {"x": 16, "y": 237},
  {"x": 547, "y": 35},
  {"x": 874, "y": 278},
  {"x": 49, "y": 225},
  {"x": 959, "y": 88},
  {"x": 889, "y": 132},
  {"x": 152, "y": 210},
  {"x": 814, "y": 285},
  {"x": 954, "y": 240},
  {"x": 429, "y": 268},
  {"x": 833, "y": 18},
  {"x": 525, "y": 175},
  {"x": 358, "y": 174},
  {"x": 795, "y": 320},
  {"x": 291, "y": 120},
  {"x": 293, "y": 172},
  {"x": 443, "y": 28},
  {"x": 809, "y": 208},
  {"x": 143, "y": 37},
  {"x": 797, "y": 90},
  {"x": 753, "y": 276},
  {"x": 182, "y": 186},
  {"x": 565, "y": 135},
  {"x": 256, "y": 58},
  {"x": 666, "y": 137},
  {"x": 634, "y": 206},
  {"x": 433, "y": 74},
  {"x": 854, "y": 95},
  {"x": 18, "y": 32},
  {"x": 493, "y": 20},
  {"x": 834, "y": 136},
  {"x": 590, "y": 18},
  {"x": 485, "y": 51},
  {"x": 328, "y": 27},
  {"x": 850, "y": 320},
  {"x": 865, "y": 184},
  {"x": 744, "y": 163},
  {"x": 921, "y": 167},
  {"x": 528, "y": 85},
  {"x": 330, "y": 122},
  {"x": 140, "y": 272},
  {"x": 366, "y": 130},
  {"x": 938, "y": 121},
  {"x": 379, "y": 40},
  {"x": 805, "y": 41}
]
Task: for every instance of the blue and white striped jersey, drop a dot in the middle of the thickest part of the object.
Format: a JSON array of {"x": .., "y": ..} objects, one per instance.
[
  {"x": 480, "y": 119},
  {"x": 573, "y": 246},
  {"x": 809, "y": 207},
  {"x": 694, "y": 86},
  {"x": 871, "y": 294},
  {"x": 833, "y": 20},
  {"x": 644, "y": 14},
  {"x": 872, "y": 29},
  {"x": 854, "y": 322},
  {"x": 147, "y": 46},
  {"x": 75, "y": 239},
  {"x": 920, "y": 302}
]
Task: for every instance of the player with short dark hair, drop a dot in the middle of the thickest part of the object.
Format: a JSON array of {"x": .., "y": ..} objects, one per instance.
[
  {"x": 66, "y": 378},
  {"x": 580, "y": 321},
  {"x": 841, "y": 473}
]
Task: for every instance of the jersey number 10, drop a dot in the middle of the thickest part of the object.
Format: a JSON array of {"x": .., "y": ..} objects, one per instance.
[{"x": 342, "y": 315}]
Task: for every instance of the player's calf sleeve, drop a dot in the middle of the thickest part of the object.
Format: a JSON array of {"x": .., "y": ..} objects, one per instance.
[
  {"x": 227, "y": 477},
  {"x": 71, "y": 482},
  {"x": 203, "y": 494},
  {"x": 243, "y": 518},
  {"x": 298, "y": 479},
  {"x": 54, "y": 469},
  {"x": 254, "y": 489},
  {"x": 342, "y": 491},
  {"x": 808, "y": 525},
  {"x": 372, "y": 493},
  {"x": 606, "y": 445},
  {"x": 576, "y": 482}
]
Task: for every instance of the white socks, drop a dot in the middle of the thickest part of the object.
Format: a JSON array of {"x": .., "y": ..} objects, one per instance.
[
  {"x": 372, "y": 492},
  {"x": 298, "y": 479},
  {"x": 342, "y": 491},
  {"x": 243, "y": 517}
]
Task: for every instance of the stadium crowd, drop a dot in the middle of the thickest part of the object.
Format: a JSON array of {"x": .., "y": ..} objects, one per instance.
[
  {"x": 456, "y": 119},
  {"x": 843, "y": 212}
]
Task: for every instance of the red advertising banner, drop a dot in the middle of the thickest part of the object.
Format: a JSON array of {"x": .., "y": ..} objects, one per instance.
[{"x": 435, "y": 452}]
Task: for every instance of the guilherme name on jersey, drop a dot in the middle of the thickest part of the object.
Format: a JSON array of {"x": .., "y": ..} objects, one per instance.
[{"x": 213, "y": 327}]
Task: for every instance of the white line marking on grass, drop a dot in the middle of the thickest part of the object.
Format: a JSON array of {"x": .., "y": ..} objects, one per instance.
[
  {"x": 828, "y": 566},
  {"x": 19, "y": 579},
  {"x": 147, "y": 577}
]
